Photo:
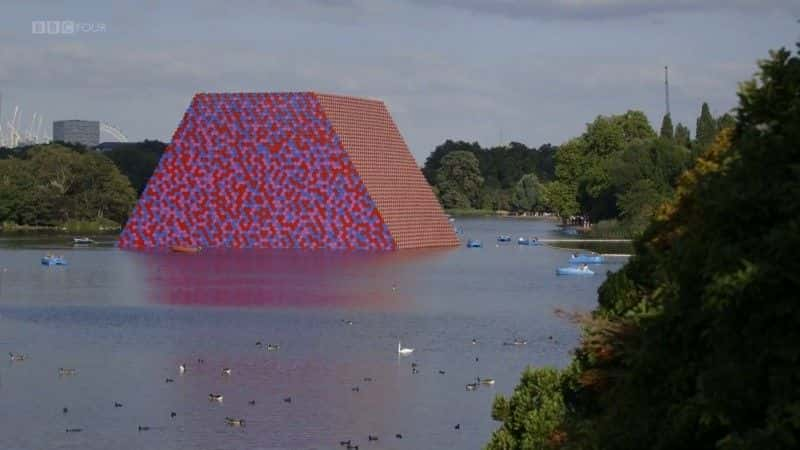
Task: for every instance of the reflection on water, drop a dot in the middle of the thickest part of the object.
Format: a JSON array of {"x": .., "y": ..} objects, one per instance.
[{"x": 126, "y": 320}]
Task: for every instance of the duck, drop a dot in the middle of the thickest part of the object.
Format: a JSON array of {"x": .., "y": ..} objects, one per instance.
[
  {"x": 169, "y": 380},
  {"x": 215, "y": 397},
  {"x": 64, "y": 410},
  {"x": 471, "y": 386},
  {"x": 404, "y": 350},
  {"x": 474, "y": 341},
  {"x": 372, "y": 437},
  {"x": 287, "y": 400},
  {"x": 343, "y": 443},
  {"x": 117, "y": 405},
  {"x": 398, "y": 436},
  {"x": 356, "y": 389},
  {"x": 441, "y": 372},
  {"x": 234, "y": 422},
  {"x": 173, "y": 414},
  {"x": 182, "y": 368},
  {"x": 16, "y": 356},
  {"x": 144, "y": 428},
  {"x": 74, "y": 430},
  {"x": 367, "y": 379},
  {"x": 251, "y": 403},
  {"x": 226, "y": 371},
  {"x": 457, "y": 427},
  {"x": 63, "y": 372},
  {"x": 273, "y": 347}
]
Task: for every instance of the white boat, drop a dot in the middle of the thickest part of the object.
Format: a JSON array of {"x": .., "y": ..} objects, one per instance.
[
  {"x": 82, "y": 241},
  {"x": 404, "y": 350}
]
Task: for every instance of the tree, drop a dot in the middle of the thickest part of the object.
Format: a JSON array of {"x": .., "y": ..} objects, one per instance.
[
  {"x": 666, "y": 128},
  {"x": 459, "y": 180},
  {"x": 682, "y": 135},
  {"x": 527, "y": 193},
  {"x": 561, "y": 198},
  {"x": 695, "y": 342},
  {"x": 706, "y": 127}
]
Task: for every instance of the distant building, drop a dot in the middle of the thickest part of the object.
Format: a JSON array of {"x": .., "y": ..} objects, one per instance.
[{"x": 86, "y": 132}]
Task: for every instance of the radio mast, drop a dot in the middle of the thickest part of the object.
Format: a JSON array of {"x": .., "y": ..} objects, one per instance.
[{"x": 666, "y": 87}]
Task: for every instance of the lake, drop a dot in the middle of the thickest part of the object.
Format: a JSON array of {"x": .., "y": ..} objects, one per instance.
[{"x": 126, "y": 320}]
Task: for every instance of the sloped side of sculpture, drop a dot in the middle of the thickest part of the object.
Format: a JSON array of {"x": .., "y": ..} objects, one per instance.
[
  {"x": 374, "y": 145},
  {"x": 256, "y": 171}
]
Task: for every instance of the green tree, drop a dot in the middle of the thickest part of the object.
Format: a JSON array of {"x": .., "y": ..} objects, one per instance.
[
  {"x": 706, "y": 127},
  {"x": 666, "y": 128},
  {"x": 682, "y": 135},
  {"x": 459, "y": 180},
  {"x": 531, "y": 418},
  {"x": 527, "y": 193},
  {"x": 561, "y": 198},
  {"x": 696, "y": 340}
]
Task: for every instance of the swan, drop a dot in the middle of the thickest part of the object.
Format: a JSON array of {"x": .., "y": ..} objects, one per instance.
[{"x": 403, "y": 350}]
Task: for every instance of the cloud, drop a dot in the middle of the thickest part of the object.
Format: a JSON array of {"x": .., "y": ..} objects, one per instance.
[{"x": 608, "y": 9}]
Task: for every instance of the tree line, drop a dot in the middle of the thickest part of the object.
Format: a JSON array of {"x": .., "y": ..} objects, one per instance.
[
  {"x": 58, "y": 184},
  {"x": 618, "y": 168},
  {"x": 695, "y": 342}
]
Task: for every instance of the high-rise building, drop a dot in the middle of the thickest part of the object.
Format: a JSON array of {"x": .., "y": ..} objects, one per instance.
[
  {"x": 289, "y": 170},
  {"x": 86, "y": 132}
]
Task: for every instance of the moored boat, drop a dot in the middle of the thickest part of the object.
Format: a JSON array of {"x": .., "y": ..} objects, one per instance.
[
  {"x": 185, "y": 248},
  {"x": 474, "y": 243},
  {"x": 52, "y": 260},
  {"x": 82, "y": 241},
  {"x": 584, "y": 271},
  {"x": 504, "y": 238},
  {"x": 586, "y": 259}
]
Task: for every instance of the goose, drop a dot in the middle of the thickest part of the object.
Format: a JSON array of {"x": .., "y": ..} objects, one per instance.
[
  {"x": 234, "y": 422},
  {"x": 215, "y": 397},
  {"x": 404, "y": 350}
]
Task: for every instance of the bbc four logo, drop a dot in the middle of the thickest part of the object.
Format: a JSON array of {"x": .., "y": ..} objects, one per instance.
[{"x": 65, "y": 27}]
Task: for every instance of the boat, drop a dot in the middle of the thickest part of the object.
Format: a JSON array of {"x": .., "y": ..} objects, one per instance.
[
  {"x": 52, "y": 260},
  {"x": 474, "y": 243},
  {"x": 569, "y": 231},
  {"x": 528, "y": 241},
  {"x": 574, "y": 271},
  {"x": 586, "y": 259},
  {"x": 504, "y": 238},
  {"x": 185, "y": 248},
  {"x": 82, "y": 241}
]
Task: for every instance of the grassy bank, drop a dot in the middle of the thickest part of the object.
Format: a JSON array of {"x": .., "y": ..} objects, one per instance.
[{"x": 72, "y": 226}]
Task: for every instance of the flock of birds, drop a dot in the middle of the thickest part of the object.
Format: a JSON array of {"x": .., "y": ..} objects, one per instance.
[{"x": 183, "y": 369}]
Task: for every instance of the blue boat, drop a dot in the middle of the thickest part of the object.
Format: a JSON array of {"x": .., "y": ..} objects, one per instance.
[
  {"x": 528, "y": 241},
  {"x": 504, "y": 238},
  {"x": 583, "y": 271},
  {"x": 586, "y": 259},
  {"x": 474, "y": 243},
  {"x": 51, "y": 260}
]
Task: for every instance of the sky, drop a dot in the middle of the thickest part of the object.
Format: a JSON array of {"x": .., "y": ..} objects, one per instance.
[{"x": 530, "y": 71}]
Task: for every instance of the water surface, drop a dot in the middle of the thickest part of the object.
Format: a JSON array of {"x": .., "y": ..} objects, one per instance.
[{"x": 125, "y": 320}]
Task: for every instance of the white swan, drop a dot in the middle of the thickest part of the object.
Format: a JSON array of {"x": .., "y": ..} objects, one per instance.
[{"x": 403, "y": 351}]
